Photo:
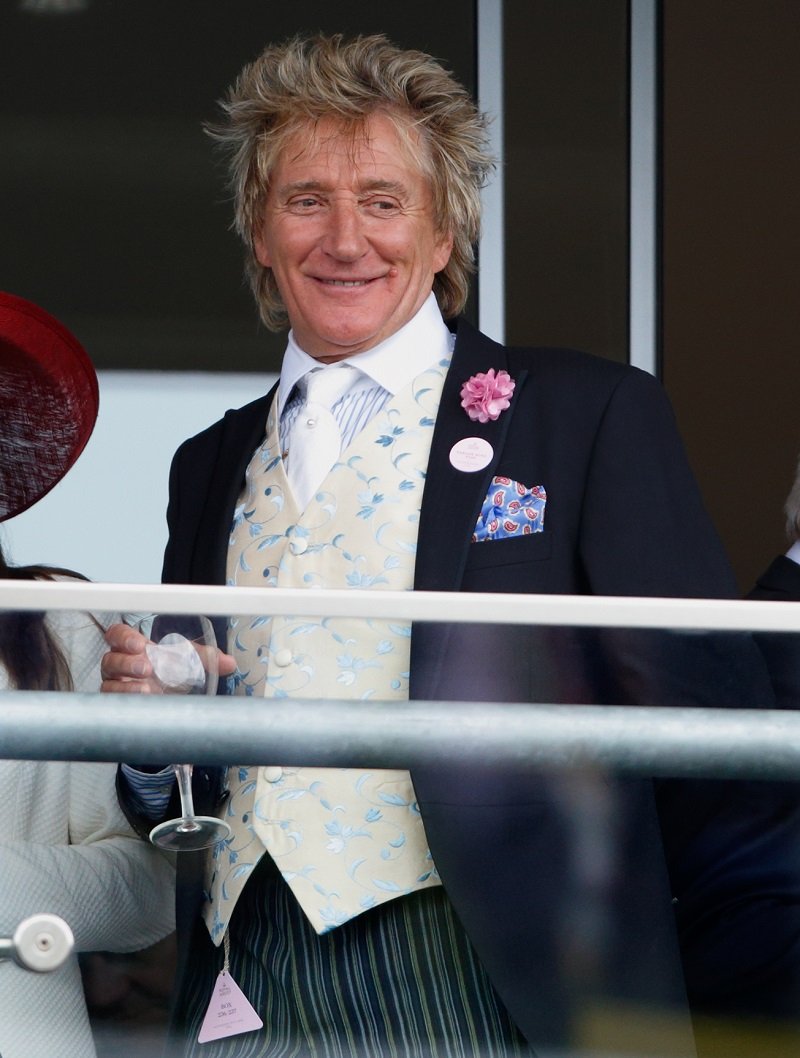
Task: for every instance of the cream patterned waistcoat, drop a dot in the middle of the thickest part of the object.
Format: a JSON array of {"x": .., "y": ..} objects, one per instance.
[{"x": 345, "y": 840}]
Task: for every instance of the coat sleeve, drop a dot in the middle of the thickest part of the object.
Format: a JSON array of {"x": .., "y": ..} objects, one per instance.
[
  {"x": 67, "y": 848},
  {"x": 732, "y": 846},
  {"x": 184, "y": 510},
  {"x": 114, "y": 891},
  {"x": 644, "y": 529},
  {"x": 175, "y": 569}
]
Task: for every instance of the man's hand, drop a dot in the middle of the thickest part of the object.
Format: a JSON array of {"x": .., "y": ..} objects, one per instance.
[{"x": 126, "y": 669}]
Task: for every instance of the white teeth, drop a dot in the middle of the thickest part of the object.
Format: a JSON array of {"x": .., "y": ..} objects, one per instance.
[{"x": 346, "y": 282}]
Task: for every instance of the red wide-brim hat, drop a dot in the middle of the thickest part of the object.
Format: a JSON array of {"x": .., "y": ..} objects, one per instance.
[{"x": 48, "y": 403}]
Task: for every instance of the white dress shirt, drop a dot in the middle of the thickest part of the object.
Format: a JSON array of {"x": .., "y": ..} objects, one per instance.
[
  {"x": 382, "y": 372},
  {"x": 794, "y": 552}
]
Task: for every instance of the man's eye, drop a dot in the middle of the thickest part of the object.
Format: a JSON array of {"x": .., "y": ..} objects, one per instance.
[
  {"x": 383, "y": 205},
  {"x": 305, "y": 203}
]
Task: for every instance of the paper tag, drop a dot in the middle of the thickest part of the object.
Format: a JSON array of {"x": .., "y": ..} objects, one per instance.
[
  {"x": 229, "y": 1012},
  {"x": 471, "y": 454}
]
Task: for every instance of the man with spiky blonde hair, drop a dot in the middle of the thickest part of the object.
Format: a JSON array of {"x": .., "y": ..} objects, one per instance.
[{"x": 377, "y": 913}]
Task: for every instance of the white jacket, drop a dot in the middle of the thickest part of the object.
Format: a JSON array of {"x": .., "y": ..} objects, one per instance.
[{"x": 66, "y": 849}]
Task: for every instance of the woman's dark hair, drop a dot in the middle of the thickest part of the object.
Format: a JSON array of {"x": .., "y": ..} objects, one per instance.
[{"x": 28, "y": 649}]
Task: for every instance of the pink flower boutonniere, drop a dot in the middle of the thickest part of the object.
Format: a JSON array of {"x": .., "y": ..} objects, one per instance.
[{"x": 484, "y": 396}]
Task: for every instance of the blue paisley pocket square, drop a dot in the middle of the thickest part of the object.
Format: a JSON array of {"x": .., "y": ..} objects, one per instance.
[{"x": 510, "y": 509}]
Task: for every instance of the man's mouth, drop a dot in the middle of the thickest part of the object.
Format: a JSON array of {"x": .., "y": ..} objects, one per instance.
[{"x": 345, "y": 282}]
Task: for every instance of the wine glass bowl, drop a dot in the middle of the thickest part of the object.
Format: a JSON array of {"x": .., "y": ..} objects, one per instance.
[{"x": 182, "y": 651}]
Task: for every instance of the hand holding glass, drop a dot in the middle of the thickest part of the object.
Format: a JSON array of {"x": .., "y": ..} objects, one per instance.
[{"x": 182, "y": 650}]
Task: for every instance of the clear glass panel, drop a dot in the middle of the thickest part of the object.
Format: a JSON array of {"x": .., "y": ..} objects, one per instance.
[{"x": 595, "y": 874}]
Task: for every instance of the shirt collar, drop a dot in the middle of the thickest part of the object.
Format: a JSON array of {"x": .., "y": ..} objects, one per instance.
[
  {"x": 392, "y": 364},
  {"x": 794, "y": 552}
]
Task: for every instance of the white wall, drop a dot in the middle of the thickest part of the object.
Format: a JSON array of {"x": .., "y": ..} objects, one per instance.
[{"x": 106, "y": 519}]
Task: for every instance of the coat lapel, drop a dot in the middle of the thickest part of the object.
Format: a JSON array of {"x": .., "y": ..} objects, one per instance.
[
  {"x": 453, "y": 498},
  {"x": 242, "y": 433}
]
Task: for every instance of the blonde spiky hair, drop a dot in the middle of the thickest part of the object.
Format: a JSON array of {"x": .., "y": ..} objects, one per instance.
[{"x": 308, "y": 79}]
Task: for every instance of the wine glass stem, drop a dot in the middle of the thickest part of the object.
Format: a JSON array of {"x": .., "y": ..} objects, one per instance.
[{"x": 184, "y": 776}]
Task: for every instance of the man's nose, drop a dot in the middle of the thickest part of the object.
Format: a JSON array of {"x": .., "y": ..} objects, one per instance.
[{"x": 345, "y": 238}]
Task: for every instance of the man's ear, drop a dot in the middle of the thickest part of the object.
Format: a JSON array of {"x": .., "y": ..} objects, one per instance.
[
  {"x": 444, "y": 248},
  {"x": 263, "y": 256}
]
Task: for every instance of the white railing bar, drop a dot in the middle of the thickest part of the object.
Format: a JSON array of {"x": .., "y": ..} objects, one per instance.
[
  {"x": 454, "y": 607},
  {"x": 38, "y": 725}
]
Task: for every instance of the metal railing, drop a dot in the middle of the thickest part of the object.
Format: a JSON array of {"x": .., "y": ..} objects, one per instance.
[
  {"x": 648, "y": 740},
  {"x": 652, "y": 740},
  {"x": 455, "y": 607}
]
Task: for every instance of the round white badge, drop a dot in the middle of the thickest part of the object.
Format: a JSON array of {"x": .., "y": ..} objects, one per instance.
[{"x": 471, "y": 454}]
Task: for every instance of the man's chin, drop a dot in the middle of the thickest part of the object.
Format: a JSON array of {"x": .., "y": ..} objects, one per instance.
[{"x": 339, "y": 343}]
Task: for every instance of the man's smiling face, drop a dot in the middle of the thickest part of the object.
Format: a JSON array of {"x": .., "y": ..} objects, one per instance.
[{"x": 350, "y": 236}]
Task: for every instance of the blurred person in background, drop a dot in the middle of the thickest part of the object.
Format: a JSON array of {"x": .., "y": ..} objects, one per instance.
[
  {"x": 780, "y": 582},
  {"x": 65, "y": 846}
]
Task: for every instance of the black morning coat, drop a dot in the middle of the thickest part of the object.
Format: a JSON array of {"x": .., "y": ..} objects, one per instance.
[{"x": 704, "y": 873}]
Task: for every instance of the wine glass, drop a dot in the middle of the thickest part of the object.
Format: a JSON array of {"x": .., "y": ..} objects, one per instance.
[{"x": 182, "y": 650}]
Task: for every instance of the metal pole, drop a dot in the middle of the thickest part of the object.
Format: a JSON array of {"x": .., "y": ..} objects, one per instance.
[
  {"x": 645, "y": 740},
  {"x": 449, "y": 607}
]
